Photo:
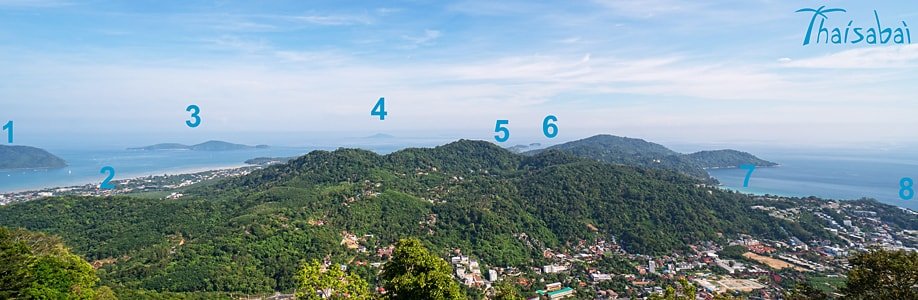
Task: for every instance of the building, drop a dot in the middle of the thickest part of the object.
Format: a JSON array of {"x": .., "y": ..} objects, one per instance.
[
  {"x": 492, "y": 275},
  {"x": 598, "y": 277},
  {"x": 561, "y": 294},
  {"x": 553, "y": 269}
]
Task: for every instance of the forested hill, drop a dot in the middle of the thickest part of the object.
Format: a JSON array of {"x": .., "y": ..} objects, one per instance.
[
  {"x": 25, "y": 157},
  {"x": 727, "y": 159},
  {"x": 249, "y": 234},
  {"x": 641, "y": 153}
]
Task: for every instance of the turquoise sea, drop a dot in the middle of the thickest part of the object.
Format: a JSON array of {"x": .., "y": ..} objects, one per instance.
[
  {"x": 842, "y": 175},
  {"x": 84, "y": 165}
]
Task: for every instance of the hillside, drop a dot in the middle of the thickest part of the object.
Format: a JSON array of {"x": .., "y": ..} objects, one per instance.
[
  {"x": 205, "y": 146},
  {"x": 25, "y": 157},
  {"x": 727, "y": 159},
  {"x": 641, "y": 153},
  {"x": 248, "y": 234}
]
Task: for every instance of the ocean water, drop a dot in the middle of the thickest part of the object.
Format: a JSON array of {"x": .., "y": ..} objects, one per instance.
[
  {"x": 842, "y": 176},
  {"x": 84, "y": 165}
]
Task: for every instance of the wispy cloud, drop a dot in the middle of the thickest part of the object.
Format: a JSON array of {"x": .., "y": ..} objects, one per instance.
[
  {"x": 420, "y": 40},
  {"x": 34, "y": 3},
  {"x": 889, "y": 57},
  {"x": 336, "y": 19}
]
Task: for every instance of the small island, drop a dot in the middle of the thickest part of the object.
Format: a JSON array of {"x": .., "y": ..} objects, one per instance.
[
  {"x": 25, "y": 157},
  {"x": 205, "y": 146}
]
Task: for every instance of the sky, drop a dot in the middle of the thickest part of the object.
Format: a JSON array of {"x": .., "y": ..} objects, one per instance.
[{"x": 285, "y": 72}]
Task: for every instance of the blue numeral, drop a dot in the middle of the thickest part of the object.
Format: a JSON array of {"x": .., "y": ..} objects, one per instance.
[
  {"x": 906, "y": 188},
  {"x": 550, "y": 129},
  {"x": 380, "y": 109},
  {"x": 500, "y": 128},
  {"x": 106, "y": 184},
  {"x": 9, "y": 131},
  {"x": 748, "y": 174},
  {"x": 195, "y": 110}
]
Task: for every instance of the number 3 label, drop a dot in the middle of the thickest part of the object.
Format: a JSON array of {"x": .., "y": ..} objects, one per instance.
[{"x": 194, "y": 110}]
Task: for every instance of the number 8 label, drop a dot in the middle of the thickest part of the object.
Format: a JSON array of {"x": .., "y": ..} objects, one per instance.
[{"x": 906, "y": 188}]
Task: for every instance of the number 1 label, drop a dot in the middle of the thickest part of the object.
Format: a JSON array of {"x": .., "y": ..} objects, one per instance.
[{"x": 9, "y": 131}]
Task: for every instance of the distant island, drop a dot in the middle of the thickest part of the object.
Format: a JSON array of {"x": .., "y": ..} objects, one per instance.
[
  {"x": 205, "y": 146},
  {"x": 380, "y": 136},
  {"x": 641, "y": 153},
  {"x": 523, "y": 148},
  {"x": 25, "y": 157}
]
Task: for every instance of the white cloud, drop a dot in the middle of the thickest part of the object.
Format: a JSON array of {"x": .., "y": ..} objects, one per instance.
[{"x": 881, "y": 57}]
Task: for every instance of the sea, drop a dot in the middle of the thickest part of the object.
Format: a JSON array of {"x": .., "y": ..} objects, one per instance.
[{"x": 830, "y": 174}]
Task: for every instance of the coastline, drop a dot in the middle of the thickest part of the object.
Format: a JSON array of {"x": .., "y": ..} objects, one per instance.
[{"x": 130, "y": 176}]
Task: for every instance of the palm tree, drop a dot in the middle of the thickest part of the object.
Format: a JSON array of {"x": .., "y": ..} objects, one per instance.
[{"x": 816, "y": 12}]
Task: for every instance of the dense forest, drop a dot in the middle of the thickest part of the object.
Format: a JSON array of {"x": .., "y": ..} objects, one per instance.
[
  {"x": 251, "y": 234},
  {"x": 641, "y": 153}
]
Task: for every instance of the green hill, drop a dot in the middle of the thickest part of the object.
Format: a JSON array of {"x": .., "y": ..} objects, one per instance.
[
  {"x": 641, "y": 153},
  {"x": 24, "y": 157},
  {"x": 727, "y": 159},
  {"x": 249, "y": 234}
]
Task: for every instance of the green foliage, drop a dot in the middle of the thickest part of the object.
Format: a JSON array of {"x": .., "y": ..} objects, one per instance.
[
  {"x": 504, "y": 290},
  {"x": 35, "y": 265},
  {"x": 630, "y": 152},
  {"x": 726, "y": 159},
  {"x": 733, "y": 251},
  {"x": 687, "y": 292},
  {"x": 315, "y": 281},
  {"x": 883, "y": 274},
  {"x": 249, "y": 234},
  {"x": 415, "y": 273},
  {"x": 24, "y": 157},
  {"x": 805, "y": 291}
]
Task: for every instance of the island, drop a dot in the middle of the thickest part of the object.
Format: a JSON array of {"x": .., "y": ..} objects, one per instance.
[
  {"x": 205, "y": 146},
  {"x": 25, "y": 157}
]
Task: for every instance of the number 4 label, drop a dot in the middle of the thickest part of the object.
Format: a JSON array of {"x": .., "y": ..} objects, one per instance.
[{"x": 380, "y": 109}]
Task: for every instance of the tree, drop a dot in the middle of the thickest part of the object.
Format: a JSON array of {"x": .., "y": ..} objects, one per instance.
[
  {"x": 317, "y": 282},
  {"x": 805, "y": 291},
  {"x": 688, "y": 292},
  {"x": 504, "y": 290},
  {"x": 39, "y": 266},
  {"x": 883, "y": 274},
  {"x": 415, "y": 273}
]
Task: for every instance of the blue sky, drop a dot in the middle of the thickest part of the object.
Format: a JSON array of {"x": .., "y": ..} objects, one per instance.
[{"x": 664, "y": 70}]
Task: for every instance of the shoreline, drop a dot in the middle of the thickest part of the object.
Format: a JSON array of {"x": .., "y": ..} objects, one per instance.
[{"x": 133, "y": 176}]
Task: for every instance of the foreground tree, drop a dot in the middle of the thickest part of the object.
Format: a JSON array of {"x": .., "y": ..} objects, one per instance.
[
  {"x": 314, "y": 281},
  {"x": 883, "y": 274},
  {"x": 38, "y": 266},
  {"x": 415, "y": 273},
  {"x": 504, "y": 290},
  {"x": 805, "y": 291}
]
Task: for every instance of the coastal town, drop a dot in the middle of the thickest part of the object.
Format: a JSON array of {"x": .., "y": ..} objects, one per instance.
[{"x": 160, "y": 186}]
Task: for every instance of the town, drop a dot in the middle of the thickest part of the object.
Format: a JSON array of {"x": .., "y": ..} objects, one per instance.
[
  {"x": 745, "y": 266},
  {"x": 158, "y": 186}
]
